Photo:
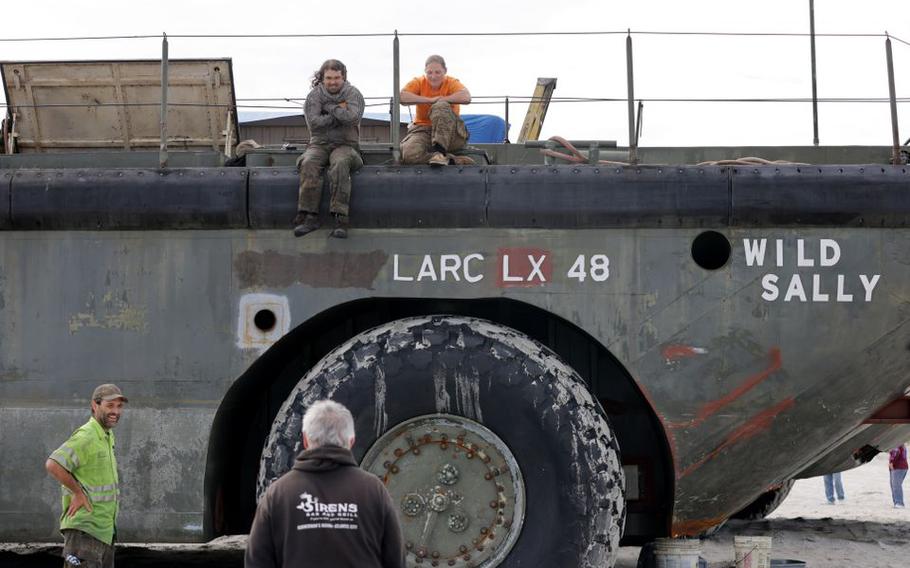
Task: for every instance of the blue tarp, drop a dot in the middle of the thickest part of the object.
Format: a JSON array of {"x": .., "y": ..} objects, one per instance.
[{"x": 484, "y": 128}]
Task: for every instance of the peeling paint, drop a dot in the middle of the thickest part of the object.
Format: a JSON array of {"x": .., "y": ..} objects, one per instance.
[
  {"x": 467, "y": 395},
  {"x": 442, "y": 395},
  {"x": 271, "y": 269},
  {"x": 125, "y": 318},
  {"x": 381, "y": 419}
]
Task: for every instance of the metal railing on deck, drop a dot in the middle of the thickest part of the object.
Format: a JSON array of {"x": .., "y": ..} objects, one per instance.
[{"x": 634, "y": 118}]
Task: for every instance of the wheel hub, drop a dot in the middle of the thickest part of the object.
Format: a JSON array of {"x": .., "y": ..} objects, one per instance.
[{"x": 458, "y": 488}]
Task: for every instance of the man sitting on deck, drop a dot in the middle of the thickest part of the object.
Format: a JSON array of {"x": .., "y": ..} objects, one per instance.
[{"x": 333, "y": 110}]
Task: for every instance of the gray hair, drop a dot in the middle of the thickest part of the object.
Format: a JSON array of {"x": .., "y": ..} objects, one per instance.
[
  {"x": 436, "y": 59},
  {"x": 327, "y": 423}
]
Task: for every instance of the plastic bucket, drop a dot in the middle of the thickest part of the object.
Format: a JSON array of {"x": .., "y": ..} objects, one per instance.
[
  {"x": 676, "y": 552},
  {"x": 752, "y": 551}
]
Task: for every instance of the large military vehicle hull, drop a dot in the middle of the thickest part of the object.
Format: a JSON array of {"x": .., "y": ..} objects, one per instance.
[{"x": 737, "y": 326}]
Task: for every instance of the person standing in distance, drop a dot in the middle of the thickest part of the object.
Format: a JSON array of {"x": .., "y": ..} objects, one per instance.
[
  {"x": 438, "y": 130},
  {"x": 326, "y": 511},
  {"x": 86, "y": 468},
  {"x": 333, "y": 110},
  {"x": 897, "y": 469}
]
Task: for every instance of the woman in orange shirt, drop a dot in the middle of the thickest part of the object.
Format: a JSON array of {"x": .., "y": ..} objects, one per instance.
[{"x": 437, "y": 130}]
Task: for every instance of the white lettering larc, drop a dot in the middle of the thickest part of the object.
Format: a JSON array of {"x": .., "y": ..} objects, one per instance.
[
  {"x": 472, "y": 278},
  {"x": 427, "y": 270},
  {"x": 397, "y": 277},
  {"x": 449, "y": 264}
]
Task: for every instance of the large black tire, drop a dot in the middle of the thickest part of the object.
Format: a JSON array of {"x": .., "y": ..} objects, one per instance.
[
  {"x": 765, "y": 504},
  {"x": 512, "y": 385}
]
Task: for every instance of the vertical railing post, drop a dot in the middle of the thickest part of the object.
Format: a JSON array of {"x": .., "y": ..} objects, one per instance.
[
  {"x": 814, "y": 85},
  {"x": 395, "y": 131},
  {"x": 162, "y": 151},
  {"x": 895, "y": 136},
  {"x": 633, "y": 150},
  {"x": 507, "y": 121}
]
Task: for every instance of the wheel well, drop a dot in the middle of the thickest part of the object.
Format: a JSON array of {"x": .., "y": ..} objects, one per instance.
[{"x": 245, "y": 415}]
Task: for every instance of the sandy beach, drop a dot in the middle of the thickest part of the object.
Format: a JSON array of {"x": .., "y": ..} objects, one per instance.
[{"x": 864, "y": 530}]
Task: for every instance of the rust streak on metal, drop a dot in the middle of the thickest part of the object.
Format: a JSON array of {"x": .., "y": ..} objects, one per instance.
[
  {"x": 319, "y": 270},
  {"x": 694, "y": 527},
  {"x": 711, "y": 408},
  {"x": 750, "y": 383},
  {"x": 757, "y": 424},
  {"x": 676, "y": 352}
]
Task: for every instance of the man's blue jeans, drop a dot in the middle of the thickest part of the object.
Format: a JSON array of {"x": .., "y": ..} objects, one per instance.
[
  {"x": 897, "y": 491},
  {"x": 833, "y": 483}
]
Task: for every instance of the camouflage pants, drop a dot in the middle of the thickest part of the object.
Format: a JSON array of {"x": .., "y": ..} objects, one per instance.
[
  {"x": 342, "y": 160},
  {"x": 448, "y": 131},
  {"x": 91, "y": 552}
]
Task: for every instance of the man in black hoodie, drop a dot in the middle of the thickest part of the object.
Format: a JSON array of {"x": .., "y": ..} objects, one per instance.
[{"x": 326, "y": 511}]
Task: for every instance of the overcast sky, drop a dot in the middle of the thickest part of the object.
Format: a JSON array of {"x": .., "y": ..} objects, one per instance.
[{"x": 585, "y": 65}]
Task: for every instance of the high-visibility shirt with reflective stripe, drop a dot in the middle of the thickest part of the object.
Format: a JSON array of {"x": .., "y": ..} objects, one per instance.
[{"x": 89, "y": 456}]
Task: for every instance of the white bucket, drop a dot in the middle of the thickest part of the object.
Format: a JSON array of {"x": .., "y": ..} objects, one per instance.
[
  {"x": 677, "y": 552},
  {"x": 752, "y": 551}
]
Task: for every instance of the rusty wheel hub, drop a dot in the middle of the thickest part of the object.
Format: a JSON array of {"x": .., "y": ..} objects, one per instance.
[{"x": 458, "y": 488}]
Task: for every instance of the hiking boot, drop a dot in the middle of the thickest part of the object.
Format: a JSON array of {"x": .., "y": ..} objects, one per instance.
[
  {"x": 464, "y": 161},
  {"x": 439, "y": 159},
  {"x": 341, "y": 227},
  {"x": 310, "y": 223}
]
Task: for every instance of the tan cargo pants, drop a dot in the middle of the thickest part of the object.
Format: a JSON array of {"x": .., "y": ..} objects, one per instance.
[
  {"x": 447, "y": 130},
  {"x": 342, "y": 160}
]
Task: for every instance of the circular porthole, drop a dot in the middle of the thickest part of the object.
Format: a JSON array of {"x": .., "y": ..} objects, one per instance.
[
  {"x": 265, "y": 320},
  {"x": 711, "y": 250}
]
